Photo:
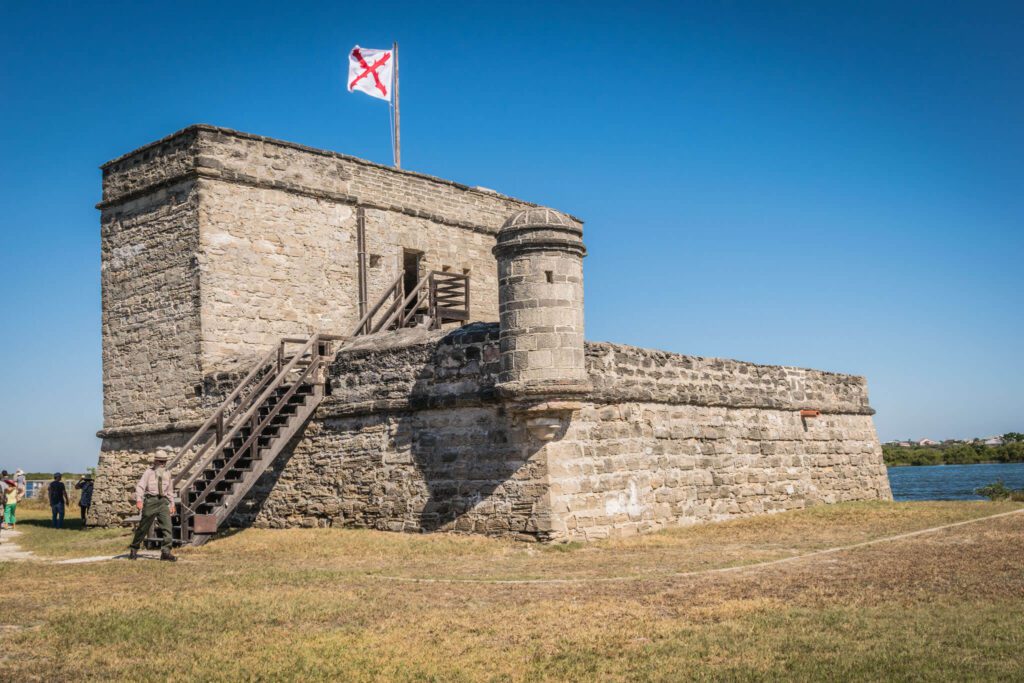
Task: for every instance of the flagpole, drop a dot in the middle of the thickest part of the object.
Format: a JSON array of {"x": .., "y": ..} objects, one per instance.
[{"x": 398, "y": 117}]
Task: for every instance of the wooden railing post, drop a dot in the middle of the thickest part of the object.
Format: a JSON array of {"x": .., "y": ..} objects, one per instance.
[
  {"x": 401, "y": 299},
  {"x": 253, "y": 424},
  {"x": 435, "y": 324}
]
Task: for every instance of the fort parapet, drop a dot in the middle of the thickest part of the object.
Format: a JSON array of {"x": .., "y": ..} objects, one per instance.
[{"x": 217, "y": 244}]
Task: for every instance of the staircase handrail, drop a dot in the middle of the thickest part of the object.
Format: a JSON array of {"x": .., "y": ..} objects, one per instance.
[
  {"x": 316, "y": 359},
  {"x": 257, "y": 432},
  {"x": 397, "y": 309},
  {"x": 226, "y": 422},
  {"x": 223, "y": 411},
  {"x": 364, "y": 322}
]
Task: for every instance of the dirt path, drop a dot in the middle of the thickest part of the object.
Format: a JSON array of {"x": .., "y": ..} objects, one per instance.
[
  {"x": 104, "y": 558},
  {"x": 10, "y": 551}
]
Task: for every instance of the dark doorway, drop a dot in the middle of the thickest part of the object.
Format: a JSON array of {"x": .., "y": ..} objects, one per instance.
[
  {"x": 411, "y": 268},
  {"x": 411, "y": 277}
]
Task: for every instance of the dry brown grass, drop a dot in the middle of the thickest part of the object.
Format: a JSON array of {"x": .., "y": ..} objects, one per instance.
[{"x": 313, "y": 604}]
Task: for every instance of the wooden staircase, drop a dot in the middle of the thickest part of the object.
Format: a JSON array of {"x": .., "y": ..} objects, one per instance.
[
  {"x": 246, "y": 433},
  {"x": 438, "y": 298}
]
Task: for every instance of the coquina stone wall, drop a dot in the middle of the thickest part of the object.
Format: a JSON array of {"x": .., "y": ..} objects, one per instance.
[
  {"x": 276, "y": 262},
  {"x": 415, "y": 437},
  {"x": 672, "y": 439},
  {"x": 633, "y": 467},
  {"x": 218, "y": 243},
  {"x": 151, "y": 317},
  {"x": 411, "y": 439}
]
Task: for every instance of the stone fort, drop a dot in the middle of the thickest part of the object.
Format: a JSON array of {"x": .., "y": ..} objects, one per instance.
[{"x": 324, "y": 341}]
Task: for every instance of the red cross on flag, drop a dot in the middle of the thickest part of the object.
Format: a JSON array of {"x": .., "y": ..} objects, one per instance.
[{"x": 369, "y": 71}]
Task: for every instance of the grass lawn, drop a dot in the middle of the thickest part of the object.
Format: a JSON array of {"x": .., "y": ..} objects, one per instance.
[{"x": 347, "y": 605}]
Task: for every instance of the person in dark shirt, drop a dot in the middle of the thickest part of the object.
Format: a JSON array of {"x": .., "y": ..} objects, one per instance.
[
  {"x": 3, "y": 485},
  {"x": 58, "y": 499},
  {"x": 86, "y": 486}
]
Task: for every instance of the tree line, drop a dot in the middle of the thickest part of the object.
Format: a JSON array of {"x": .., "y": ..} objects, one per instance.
[{"x": 960, "y": 453}]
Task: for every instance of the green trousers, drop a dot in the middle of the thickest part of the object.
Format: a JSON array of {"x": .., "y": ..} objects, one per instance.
[{"x": 154, "y": 508}]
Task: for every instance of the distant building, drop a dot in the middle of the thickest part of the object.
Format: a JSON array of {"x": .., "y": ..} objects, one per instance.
[
  {"x": 927, "y": 442},
  {"x": 994, "y": 441}
]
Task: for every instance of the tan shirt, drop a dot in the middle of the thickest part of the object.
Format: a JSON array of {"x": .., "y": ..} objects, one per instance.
[{"x": 150, "y": 486}]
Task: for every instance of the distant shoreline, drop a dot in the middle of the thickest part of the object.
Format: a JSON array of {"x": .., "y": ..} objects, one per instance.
[
  {"x": 951, "y": 464},
  {"x": 956, "y": 453}
]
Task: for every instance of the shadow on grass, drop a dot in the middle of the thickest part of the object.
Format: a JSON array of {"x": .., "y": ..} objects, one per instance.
[
  {"x": 69, "y": 524},
  {"x": 228, "y": 533}
]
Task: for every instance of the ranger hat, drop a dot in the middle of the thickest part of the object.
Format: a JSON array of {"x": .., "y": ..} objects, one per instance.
[{"x": 160, "y": 454}]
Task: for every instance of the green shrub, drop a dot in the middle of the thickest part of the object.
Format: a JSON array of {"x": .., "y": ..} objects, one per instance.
[{"x": 1000, "y": 491}]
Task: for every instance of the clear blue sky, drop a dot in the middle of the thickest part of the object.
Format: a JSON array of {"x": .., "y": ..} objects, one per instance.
[{"x": 831, "y": 185}]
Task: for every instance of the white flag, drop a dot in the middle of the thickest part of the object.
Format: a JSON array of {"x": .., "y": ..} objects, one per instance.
[{"x": 369, "y": 71}]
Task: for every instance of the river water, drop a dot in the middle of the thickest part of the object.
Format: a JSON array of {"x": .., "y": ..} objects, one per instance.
[{"x": 951, "y": 482}]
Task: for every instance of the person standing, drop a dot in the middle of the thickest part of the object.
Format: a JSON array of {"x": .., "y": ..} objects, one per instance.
[
  {"x": 3, "y": 489},
  {"x": 154, "y": 496},
  {"x": 58, "y": 500},
  {"x": 19, "y": 480},
  {"x": 13, "y": 496},
  {"x": 85, "y": 485}
]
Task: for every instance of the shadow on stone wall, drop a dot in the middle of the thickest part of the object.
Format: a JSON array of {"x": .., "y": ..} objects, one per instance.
[
  {"x": 445, "y": 455},
  {"x": 249, "y": 507}
]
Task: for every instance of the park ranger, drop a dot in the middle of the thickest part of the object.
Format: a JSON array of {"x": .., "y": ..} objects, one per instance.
[{"x": 154, "y": 496}]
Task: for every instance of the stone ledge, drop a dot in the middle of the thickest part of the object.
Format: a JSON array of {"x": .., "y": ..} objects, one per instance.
[
  {"x": 292, "y": 188},
  {"x": 204, "y": 127},
  {"x": 544, "y": 389},
  {"x": 335, "y": 407},
  {"x": 140, "y": 430},
  {"x": 596, "y": 347},
  {"x": 398, "y": 405}
]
